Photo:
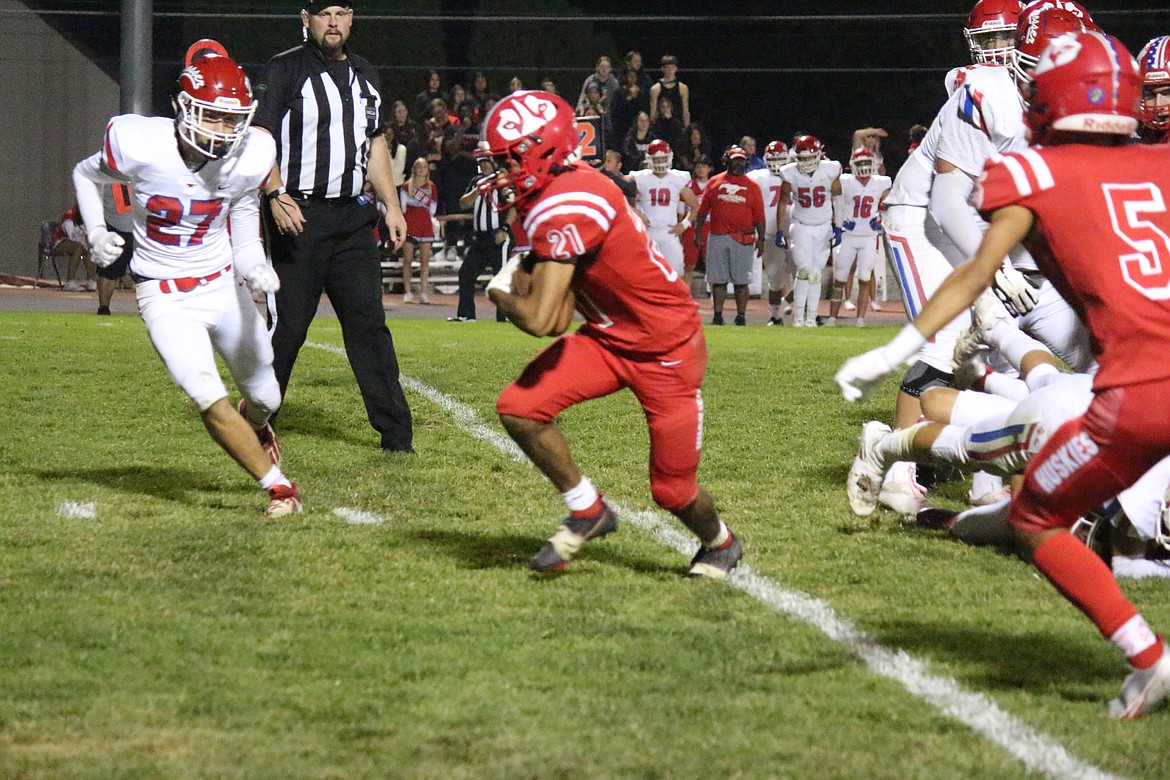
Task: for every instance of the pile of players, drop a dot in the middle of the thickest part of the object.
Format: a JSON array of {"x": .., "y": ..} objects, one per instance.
[{"x": 1038, "y": 199}]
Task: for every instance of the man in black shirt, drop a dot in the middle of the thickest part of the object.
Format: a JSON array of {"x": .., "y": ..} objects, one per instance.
[{"x": 321, "y": 228}]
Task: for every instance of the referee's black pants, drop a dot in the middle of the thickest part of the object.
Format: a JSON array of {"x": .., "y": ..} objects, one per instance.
[
  {"x": 482, "y": 253},
  {"x": 337, "y": 254}
]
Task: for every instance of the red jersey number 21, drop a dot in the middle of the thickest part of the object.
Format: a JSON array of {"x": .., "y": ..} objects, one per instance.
[{"x": 1147, "y": 267}]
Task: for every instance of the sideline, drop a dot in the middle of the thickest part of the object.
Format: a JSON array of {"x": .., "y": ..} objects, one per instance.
[{"x": 1038, "y": 752}]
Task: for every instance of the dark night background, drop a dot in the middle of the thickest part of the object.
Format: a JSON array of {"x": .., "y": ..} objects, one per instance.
[{"x": 770, "y": 78}]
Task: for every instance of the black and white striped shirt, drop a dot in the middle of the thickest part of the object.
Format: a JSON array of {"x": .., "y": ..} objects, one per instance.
[
  {"x": 323, "y": 115},
  {"x": 484, "y": 219}
]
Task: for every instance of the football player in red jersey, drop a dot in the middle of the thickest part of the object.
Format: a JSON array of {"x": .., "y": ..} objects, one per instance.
[
  {"x": 1108, "y": 257},
  {"x": 591, "y": 252}
]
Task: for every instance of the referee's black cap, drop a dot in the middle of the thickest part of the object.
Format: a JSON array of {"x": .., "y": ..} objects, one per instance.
[{"x": 313, "y": 6}]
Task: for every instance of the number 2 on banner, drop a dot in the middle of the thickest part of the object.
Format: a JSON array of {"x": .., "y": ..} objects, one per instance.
[
  {"x": 1147, "y": 268},
  {"x": 588, "y": 134}
]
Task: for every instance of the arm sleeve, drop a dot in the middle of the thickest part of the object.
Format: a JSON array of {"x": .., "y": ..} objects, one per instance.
[
  {"x": 949, "y": 194},
  {"x": 247, "y": 247}
]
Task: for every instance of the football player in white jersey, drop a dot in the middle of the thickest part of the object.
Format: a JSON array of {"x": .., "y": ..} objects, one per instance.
[
  {"x": 194, "y": 278},
  {"x": 863, "y": 191},
  {"x": 814, "y": 186},
  {"x": 777, "y": 261},
  {"x": 661, "y": 190}
]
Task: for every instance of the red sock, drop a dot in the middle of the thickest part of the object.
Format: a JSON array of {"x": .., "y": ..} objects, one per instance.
[
  {"x": 1085, "y": 580},
  {"x": 591, "y": 513}
]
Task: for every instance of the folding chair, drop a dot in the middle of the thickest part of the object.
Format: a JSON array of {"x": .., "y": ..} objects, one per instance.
[{"x": 45, "y": 252}]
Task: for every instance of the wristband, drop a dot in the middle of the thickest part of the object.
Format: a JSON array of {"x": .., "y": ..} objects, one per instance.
[
  {"x": 274, "y": 194},
  {"x": 686, "y": 223}
]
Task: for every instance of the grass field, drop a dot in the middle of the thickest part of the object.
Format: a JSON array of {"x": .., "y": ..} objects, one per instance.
[{"x": 176, "y": 633}]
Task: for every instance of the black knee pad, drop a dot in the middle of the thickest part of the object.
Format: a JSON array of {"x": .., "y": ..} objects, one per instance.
[{"x": 921, "y": 377}]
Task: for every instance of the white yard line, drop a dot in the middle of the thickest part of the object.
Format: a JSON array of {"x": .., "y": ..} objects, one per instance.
[
  {"x": 1038, "y": 752},
  {"x": 75, "y": 510},
  {"x": 358, "y": 516}
]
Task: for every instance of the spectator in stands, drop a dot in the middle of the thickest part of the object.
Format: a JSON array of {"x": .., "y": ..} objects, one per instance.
[
  {"x": 515, "y": 84},
  {"x": 629, "y": 99},
  {"x": 69, "y": 239},
  {"x": 479, "y": 91},
  {"x": 637, "y": 139},
  {"x": 633, "y": 62},
  {"x": 596, "y": 105},
  {"x": 871, "y": 139},
  {"x": 667, "y": 126},
  {"x": 603, "y": 77},
  {"x": 549, "y": 86},
  {"x": 409, "y": 133},
  {"x": 755, "y": 161},
  {"x": 459, "y": 143},
  {"x": 397, "y": 153},
  {"x": 917, "y": 133},
  {"x": 694, "y": 144},
  {"x": 669, "y": 86},
  {"x": 420, "y": 201},
  {"x": 458, "y": 97},
  {"x": 425, "y": 99},
  {"x": 436, "y": 126},
  {"x": 611, "y": 166}
]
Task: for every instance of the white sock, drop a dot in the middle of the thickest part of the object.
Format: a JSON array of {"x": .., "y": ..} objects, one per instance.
[
  {"x": 1012, "y": 342},
  {"x": 814, "y": 299},
  {"x": 581, "y": 497},
  {"x": 720, "y": 538},
  {"x": 1134, "y": 637},
  {"x": 1041, "y": 375},
  {"x": 948, "y": 447},
  {"x": 273, "y": 478},
  {"x": 1006, "y": 386},
  {"x": 898, "y": 445},
  {"x": 799, "y": 298}
]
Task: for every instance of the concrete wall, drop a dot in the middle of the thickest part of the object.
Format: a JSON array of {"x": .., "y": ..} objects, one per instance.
[{"x": 54, "y": 105}]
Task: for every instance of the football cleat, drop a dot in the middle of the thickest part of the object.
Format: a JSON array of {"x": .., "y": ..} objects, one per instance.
[
  {"x": 904, "y": 496},
  {"x": 1144, "y": 690},
  {"x": 283, "y": 500},
  {"x": 865, "y": 476},
  {"x": 875, "y": 305},
  {"x": 740, "y": 319},
  {"x": 775, "y": 321},
  {"x": 574, "y": 532},
  {"x": 987, "y": 312},
  {"x": 266, "y": 435},
  {"x": 717, "y": 563},
  {"x": 717, "y": 319}
]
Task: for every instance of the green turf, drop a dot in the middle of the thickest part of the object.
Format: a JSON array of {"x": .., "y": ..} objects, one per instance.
[{"x": 180, "y": 634}]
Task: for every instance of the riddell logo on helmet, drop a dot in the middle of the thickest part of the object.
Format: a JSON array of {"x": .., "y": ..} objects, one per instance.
[
  {"x": 524, "y": 115},
  {"x": 1107, "y": 125}
]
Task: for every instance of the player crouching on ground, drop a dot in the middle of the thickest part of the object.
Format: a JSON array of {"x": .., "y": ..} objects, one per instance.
[
  {"x": 188, "y": 177},
  {"x": 1083, "y": 107},
  {"x": 590, "y": 252}
]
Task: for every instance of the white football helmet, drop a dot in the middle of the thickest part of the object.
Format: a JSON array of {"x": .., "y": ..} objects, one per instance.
[
  {"x": 861, "y": 163},
  {"x": 809, "y": 152},
  {"x": 659, "y": 155},
  {"x": 776, "y": 156}
]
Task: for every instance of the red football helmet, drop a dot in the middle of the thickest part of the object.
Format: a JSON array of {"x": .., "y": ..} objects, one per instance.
[
  {"x": 214, "y": 88},
  {"x": 1154, "y": 62},
  {"x": 1085, "y": 82},
  {"x": 862, "y": 162},
  {"x": 659, "y": 156},
  {"x": 528, "y": 135},
  {"x": 991, "y": 30},
  {"x": 1039, "y": 25},
  {"x": 808, "y": 152},
  {"x": 776, "y": 156},
  {"x": 1073, "y": 7}
]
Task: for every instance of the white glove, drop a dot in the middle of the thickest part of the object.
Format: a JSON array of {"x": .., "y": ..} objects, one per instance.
[
  {"x": 262, "y": 279},
  {"x": 860, "y": 373},
  {"x": 105, "y": 246},
  {"x": 1012, "y": 288},
  {"x": 503, "y": 280}
]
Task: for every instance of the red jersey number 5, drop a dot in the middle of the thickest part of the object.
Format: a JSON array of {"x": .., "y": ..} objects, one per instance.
[{"x": 1147, "y": 267}]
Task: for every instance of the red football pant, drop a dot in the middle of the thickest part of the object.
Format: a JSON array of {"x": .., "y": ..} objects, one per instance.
[{"x": 576, "y": 368}]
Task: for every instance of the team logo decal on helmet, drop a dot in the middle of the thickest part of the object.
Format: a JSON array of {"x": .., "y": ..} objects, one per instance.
[
  {"x": 1039, "y": 25},
  {"x": 524, "y": 116}
]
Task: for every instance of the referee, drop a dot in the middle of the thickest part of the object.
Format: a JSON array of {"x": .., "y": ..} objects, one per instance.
[
  {"x": 489, "y": 238},
  {"x": 322, "y": 105}
]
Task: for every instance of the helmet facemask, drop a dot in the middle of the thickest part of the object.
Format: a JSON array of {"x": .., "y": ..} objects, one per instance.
[
  {"x": 215, "y": 144},
  {"x": 808, "y": 162},
  {"x": 992, "y": 44},
  {"x": 661, "y": 163}
]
